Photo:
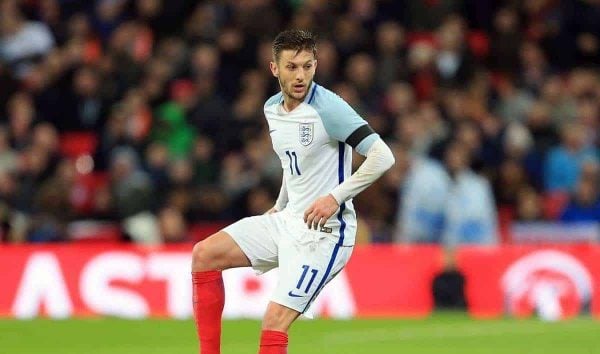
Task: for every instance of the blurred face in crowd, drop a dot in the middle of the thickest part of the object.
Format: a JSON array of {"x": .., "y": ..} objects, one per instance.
[
  {"x": 573, "y": 136},
  {"x": 552, "y": 89},
  {"x": 451, "y": 33},
  {"x": 4, "y": 139},
  {"x": 588, "y": 113},
  {"x": 157, "y": 156},
  {"x": 295, "y": 71},
  {"x": 506, "y": 21},
  {"x": 9, "y": 17},
  {"x": 45, "y": 137},
  {"x": 122, "y": 166},
  {"x": 400, "y": 98},
  {"x": 181, "y": 171},
  {"x": 390, "y": 37},
  {"x": 21, "y": 111},
  {"x": 538, "y": 115},
  {"x": 469, "y": 136},
  {"x": 328, "y": 57},
  {"x": 586, "y": 192},
  {"x": 532, "y": 55},
  {"x": 529, "y": 205},
  {"x": 86, "y": 82},
  {"x": 457, "y": 158},
  {"x": 361, "y": 70},
  {"x": 148, "y": 8},
  {"x": 172, "y": 225},
  {"x": 205, "y": 60}
]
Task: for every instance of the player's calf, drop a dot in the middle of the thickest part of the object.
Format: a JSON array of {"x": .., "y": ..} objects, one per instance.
[
  {"x": 279, "y": 317},
  {"x": 209, "y": 257}
]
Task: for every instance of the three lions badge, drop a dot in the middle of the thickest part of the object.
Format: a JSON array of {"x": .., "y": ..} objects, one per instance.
[{"x": 306, "y": 133}]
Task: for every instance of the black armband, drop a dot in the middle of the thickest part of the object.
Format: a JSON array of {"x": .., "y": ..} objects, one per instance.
[{"x": 359, "y": 134}]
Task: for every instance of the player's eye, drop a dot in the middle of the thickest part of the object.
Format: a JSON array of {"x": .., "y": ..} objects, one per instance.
[{"x": 308, "y": 66}]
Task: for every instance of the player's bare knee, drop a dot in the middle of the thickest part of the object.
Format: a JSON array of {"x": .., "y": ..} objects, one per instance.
[{"x": 201, "y": 257}]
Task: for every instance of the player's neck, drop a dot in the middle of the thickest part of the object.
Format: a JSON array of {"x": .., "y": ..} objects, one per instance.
[{"x": 289, "y": 103}]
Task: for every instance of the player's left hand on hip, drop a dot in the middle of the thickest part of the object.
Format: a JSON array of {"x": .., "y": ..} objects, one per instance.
[{"x": 320, "y": 211}]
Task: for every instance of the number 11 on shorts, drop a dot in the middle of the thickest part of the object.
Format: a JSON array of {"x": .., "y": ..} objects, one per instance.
[{"x": 305, "y": 269}]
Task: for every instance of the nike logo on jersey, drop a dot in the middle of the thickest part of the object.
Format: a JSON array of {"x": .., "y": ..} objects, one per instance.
[{"x": 294, "y": 295}]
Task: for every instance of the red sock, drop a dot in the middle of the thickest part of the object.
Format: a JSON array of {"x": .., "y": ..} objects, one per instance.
[
  {"x": 273, "y": 342},
  {"x": 209, "y": 299}
]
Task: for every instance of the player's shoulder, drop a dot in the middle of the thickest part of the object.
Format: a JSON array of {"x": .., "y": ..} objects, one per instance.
[
  {"x": 273, "y": 100},
  {"x": 328, "y": 104},
  {"x": 323, "y": 97}
]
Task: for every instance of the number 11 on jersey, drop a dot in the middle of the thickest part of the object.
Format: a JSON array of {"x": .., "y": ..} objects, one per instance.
[{"x": 293, "y": 162}]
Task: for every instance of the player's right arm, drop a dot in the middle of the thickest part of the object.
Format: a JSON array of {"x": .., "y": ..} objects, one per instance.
[{"x": 282, "y": 199}]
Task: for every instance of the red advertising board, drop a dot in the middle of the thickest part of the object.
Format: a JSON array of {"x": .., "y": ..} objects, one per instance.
[
  {"x": 554, "y": 282},
  {"x": 137, "y": 282}
]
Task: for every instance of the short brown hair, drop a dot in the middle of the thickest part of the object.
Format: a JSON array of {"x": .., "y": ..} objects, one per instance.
[{"x": 295, "y": 39}]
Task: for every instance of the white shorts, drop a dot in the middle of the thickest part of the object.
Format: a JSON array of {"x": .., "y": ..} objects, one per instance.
[{"x": 307, "y": 259}]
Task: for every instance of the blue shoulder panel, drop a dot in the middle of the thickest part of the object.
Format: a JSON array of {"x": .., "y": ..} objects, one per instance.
[
  {"x": 339, "y": 119},
  {"x": 276, "y": 98}
]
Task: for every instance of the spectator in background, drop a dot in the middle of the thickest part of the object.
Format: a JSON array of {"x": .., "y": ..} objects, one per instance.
[
  {"x": 470, "y": 212},
  {"x": 8, "y": 191},
  {"x": 328, "y": 62},
  {"x": 528, "y": 206},
  {"x": 8, "y": 157},
  {"x": 109, "y": 14},
  {"x": 172, "y": 129},
  {"x": 585, "y": 200},
  {"x": 21, "y": 116},
  {"x": 555, "y": 97},
  {"x": 172, "y": 226},
  {"x": 423, "y": 196},
  {"x": 360, "y": 72},
  {"x": 563, "y": 164},
  {"x": 206, "y": 166},
  {"x": 22, "y": 42},
  {"x": 534, "y": 67},
  {"x": 84, "y": 108},
  {"x": 132, "y": 196},
  {"x": 131, "y": 187},
  {"x": 391, "y": 53},
  {"x": 7, "y": 86},
  {"x": 52, "y": 207},
  {"x": 513, "y": 102},
  {"x": 505, "y": 41},
  {"x": 426, "y": 15},
  {"x": 454, "y": 62}
]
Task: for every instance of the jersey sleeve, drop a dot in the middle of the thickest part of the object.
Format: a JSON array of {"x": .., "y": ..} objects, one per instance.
[{"x": 342, "y": 123}]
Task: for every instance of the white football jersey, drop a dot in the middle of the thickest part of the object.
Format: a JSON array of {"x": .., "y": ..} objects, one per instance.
[{"x": 314, "y": 143}]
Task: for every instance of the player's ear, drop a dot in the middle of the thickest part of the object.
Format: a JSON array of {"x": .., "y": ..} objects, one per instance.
[{"x": 274, "y": 69}]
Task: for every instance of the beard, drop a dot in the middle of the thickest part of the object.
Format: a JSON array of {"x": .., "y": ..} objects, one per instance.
[{"x": 289, "y": 91}]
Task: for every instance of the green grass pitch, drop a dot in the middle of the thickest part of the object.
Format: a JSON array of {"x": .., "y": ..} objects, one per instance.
[{"x": 442, "y": 333}]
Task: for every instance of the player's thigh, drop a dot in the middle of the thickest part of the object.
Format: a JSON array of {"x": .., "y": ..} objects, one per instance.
[
  {"x": 218, "y": 252},
  {"x": 306, "y": 265},
  {"x": 257, "y": 237}
]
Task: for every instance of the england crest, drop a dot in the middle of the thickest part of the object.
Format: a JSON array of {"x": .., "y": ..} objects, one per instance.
[{"x": 306, "y": 133}]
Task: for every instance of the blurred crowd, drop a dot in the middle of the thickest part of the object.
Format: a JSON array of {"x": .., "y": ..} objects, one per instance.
[{"x": 491, "y": 107}]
